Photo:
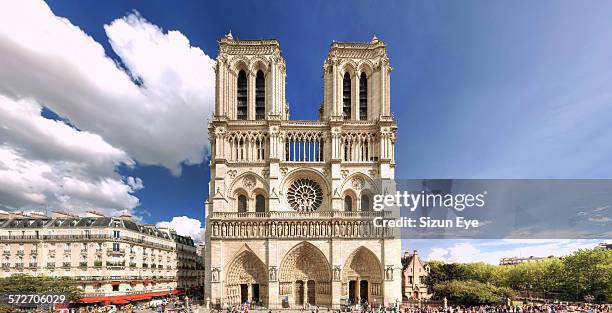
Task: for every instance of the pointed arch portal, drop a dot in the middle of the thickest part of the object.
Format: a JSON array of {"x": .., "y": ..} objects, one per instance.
[
  {"x": 362, "y": 275},
  {"x": 246, "y": 279},
  {"x": 305, "y": 276}
]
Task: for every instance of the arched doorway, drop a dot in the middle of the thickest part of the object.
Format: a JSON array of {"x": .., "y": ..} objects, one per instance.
[
  {"x": 305, "y": 276},
  {"x": 246, "y": 280},
  {"x": 362, "y": 276}
]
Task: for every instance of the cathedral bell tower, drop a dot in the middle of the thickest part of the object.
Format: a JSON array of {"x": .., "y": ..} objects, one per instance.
[
  {"x": 250, "y": 78},
  {"x": 356, "y": 82}
]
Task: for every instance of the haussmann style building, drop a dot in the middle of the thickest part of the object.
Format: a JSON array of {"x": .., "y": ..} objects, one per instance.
[
  {"x": 113, "y": 260},
  {"x": 289, "y": 217}
]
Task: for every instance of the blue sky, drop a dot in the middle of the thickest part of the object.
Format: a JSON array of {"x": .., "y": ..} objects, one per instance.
[{"x": 480, "y": 89}]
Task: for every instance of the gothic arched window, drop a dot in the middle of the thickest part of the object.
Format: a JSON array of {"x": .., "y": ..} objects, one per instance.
[
  {"x": 260, "y": 203},
  {"x": 365, "y": 203},
  {"x": 348, "y": 204},
  {"x": 363, "y": 97},
  {"x": 346, "y": 96},
  {"x": 242, "y": 203},
  {"x": 241, "y": 96},
  {"x": 260, "y": 96}
]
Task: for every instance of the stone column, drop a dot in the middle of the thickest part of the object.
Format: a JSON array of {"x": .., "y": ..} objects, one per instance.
[
  {"x": 249, "y": 292},
  {"x": 251, "y": 96},
  {"x": 218, "y": 87},
  {"x": 334, "y": 82},
  {"x": 355, "y": 96},
  {"x": 383, "y": 91},
  {"x": 305, "y": 291},
  {"x": 357, "y": 290}
]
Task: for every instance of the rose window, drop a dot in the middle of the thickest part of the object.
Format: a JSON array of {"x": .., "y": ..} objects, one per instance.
[{"x": 305, "y": 195}]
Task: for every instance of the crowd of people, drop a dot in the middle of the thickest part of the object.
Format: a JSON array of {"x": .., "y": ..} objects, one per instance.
[
  {"x": 369, "y": 308},
  {"x": 526, "y": 308}
]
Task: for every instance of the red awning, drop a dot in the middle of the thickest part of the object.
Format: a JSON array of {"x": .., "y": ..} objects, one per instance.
[
  {"x": 127, "y": 299},
  {"x": 115, "y": 283}
]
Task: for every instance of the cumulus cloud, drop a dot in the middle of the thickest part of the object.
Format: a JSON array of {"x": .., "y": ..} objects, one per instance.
[
  {"x": 149, "y": 107},
  {"x": 48, "y": 164},
  {"x": 185, "y": 226},
  {"x": 159, "y": 120}
]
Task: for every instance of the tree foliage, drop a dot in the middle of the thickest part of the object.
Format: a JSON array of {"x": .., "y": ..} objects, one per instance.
[
  {"x": 584, "y": 273},
  {"x": 471, "y": 292},
  {"x": 24, "y": 284}
]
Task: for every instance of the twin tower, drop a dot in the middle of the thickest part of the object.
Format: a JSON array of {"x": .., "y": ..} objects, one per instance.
[
  {"x": 289, "y": 217},
  {"x": 251, "y": 81}
]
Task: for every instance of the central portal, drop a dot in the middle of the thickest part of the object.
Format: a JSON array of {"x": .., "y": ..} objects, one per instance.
[{"x": 307, "y": 270}]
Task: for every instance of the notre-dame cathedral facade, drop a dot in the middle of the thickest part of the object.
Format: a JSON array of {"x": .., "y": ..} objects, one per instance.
[{"x": 289, "y": 217}]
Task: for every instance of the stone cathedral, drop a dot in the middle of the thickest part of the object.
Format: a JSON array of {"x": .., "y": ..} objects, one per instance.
[{"x": 289, "y": 218}]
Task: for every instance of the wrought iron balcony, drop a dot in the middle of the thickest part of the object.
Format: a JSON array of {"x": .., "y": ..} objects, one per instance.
[
  {"x": 115, "y": 252},
  {"x": 115, "y": 264}
]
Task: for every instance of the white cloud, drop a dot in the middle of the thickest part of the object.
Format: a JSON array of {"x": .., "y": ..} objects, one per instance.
[
  {"x": 600, "y": 219},
  {"x": 599, "y": 209},
  {"x": 470, "y": 252},
  {"x": 185, "y": 226},
  {"x": 454, "y": 253},
  {"x": 48, "y": 164},
  {"x": 162, "y": 121},
  {"x": 48, "y": 61}
]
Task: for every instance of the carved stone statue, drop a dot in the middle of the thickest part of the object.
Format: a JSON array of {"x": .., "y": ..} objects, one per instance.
[
  {"x": 272, "y": 273},
  {"x": 336, "y": 273},
  {"x": 215, "y": 274}
]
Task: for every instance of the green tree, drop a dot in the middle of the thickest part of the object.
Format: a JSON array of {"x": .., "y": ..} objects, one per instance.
[
  {"x": 471, "y": 292},
  {"x": 41, "y": 285},
  {"x": 589, "y": 272}
]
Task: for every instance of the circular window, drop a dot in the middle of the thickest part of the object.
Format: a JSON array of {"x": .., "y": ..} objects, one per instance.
[{"x": 305, "y": 195}]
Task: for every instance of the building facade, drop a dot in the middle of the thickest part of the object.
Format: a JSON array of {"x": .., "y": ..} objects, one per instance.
[
  {"x": 289, "y": 217},
  {"x": 189, "y": 270},
  {"x": 529, "y": 259},
  {"x": 112, "y": 259},
  {"x": 414, "y": 273}
]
